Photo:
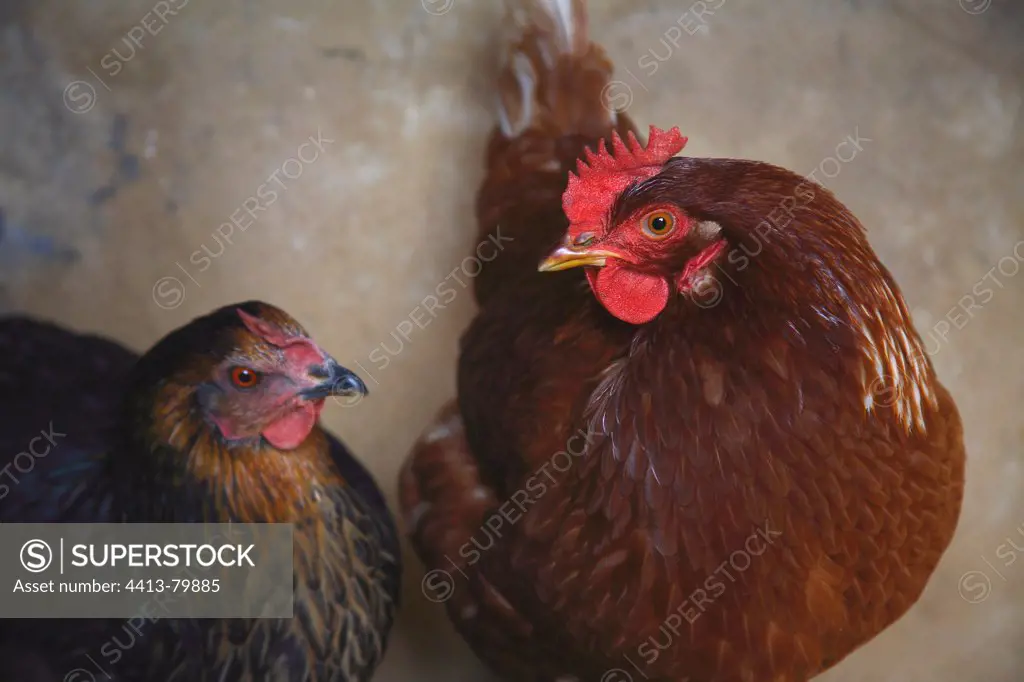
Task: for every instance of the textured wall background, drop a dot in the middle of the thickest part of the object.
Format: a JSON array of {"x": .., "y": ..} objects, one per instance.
[{"x": 128, "y": 140}]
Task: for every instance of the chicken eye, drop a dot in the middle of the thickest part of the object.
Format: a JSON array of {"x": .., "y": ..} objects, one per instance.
[
  {"x": 659, "y": 224},
  {"x": 243, "y": 377},
  {"x": 585, "y": 239}
]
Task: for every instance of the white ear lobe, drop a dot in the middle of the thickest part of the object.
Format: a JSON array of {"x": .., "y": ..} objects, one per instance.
[{"x": 708, "y": 229}]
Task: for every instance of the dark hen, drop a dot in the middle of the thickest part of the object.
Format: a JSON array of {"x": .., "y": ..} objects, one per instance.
[{"x": 168, "y": 438}]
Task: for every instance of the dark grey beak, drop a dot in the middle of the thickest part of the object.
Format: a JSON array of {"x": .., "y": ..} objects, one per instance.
[{"x": 337, "y": 381}]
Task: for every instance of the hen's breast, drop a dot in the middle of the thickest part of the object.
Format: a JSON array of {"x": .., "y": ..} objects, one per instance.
[
  {"x": 527, "y": 366},
  {"x": 369, "y": 505},
  {"x": 346, "y": 583},
  {"x": 347, "y": 572}
]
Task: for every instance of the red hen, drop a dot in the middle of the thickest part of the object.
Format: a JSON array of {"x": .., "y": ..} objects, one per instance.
[{"x": 713, "y": 447}]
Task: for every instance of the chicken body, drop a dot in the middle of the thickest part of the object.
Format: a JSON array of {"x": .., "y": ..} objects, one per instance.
[
  {"x": 120, "y": 451},
  {"x": 747, "y": 485}
]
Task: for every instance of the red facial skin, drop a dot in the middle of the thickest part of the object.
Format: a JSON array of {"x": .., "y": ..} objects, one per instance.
[
  {"x": 636, "y": 283},
  {"x": 635, "y": 286},
  {"x": 272, "y": 408}
]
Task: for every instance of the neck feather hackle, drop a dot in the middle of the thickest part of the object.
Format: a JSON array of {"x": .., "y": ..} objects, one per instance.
[{"x": 174, "y": 467}]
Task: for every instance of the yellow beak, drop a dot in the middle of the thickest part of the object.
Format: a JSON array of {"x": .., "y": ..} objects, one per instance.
[{"x": 565, "y": 257}]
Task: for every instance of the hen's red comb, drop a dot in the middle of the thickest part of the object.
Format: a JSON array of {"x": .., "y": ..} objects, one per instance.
[
  {"x": 270, "y": 333},
  {"x": 299, "y": 349},
  {"x": 601, "y": 174},
  {"x": 661, "y": 146}
]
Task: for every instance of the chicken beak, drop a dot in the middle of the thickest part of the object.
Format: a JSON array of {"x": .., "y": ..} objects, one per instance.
[
  {"x": 336, "y": 381},
  {"x": 565, "y": 257}
]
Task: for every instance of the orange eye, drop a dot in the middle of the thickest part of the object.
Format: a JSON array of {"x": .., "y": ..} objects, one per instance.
[
  {"x": 243, "y": 377},
  {"x": 658, "y": 224}
]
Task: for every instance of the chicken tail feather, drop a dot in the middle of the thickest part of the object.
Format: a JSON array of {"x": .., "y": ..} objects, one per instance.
[
  {"x": 554, "y": 80},
  {"x": 553, "y": 103}
]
